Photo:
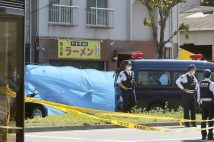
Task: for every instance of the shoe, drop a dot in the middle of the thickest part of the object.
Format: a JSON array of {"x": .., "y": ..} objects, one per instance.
[
  {"x": 193, "y": 124},
  {"x": 209, "y": 139},
  {"x": 187, "y": 124},
  {"x": 203, "y": 139}
]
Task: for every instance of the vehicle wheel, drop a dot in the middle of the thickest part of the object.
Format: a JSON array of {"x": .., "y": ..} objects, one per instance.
[
  {"x": 157, "y": 107},
  {"x": 37, "y": 112}
]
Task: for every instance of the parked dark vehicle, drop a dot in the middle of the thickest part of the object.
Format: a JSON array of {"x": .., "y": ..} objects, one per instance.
[
  {"x": 34, "y": 109},
  {"x": 156, "y": 81}
]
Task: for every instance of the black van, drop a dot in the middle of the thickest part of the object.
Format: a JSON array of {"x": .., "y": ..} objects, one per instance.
[{"x": 156, "y": 81}]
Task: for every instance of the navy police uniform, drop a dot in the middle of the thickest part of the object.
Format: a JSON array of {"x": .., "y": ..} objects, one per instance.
[
  {"x": 188, "y": 85},
  {"x": 127, "y": 79},
  {"x": 205, "y": 98}
]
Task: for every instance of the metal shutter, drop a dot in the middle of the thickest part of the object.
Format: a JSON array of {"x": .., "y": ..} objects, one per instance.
[{"x": 12, "y": 4}]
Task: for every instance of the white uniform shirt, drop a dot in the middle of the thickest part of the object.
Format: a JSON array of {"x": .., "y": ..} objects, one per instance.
[
  {"x": 211, "y": 87},
  {"x": 183, "y": 79},
  {"x": 122, "y": 76}
]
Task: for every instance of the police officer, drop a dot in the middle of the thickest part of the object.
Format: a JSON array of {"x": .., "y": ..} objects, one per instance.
[
  {"x": 205, "y": 98},
  {"x": 127, "y": 84},
  {"x": 189, "y": 85}
]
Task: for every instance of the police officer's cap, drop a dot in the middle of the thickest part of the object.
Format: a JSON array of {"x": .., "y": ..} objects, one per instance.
[
  {"x": 127, "y": 63},
  {"x": 191, "y": 66},
  {"x": 207, "y": 72}
]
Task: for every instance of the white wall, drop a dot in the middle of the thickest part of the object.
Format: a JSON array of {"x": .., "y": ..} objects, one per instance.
[
  {"x": 123, "y": 28},
  {"x": 198, "y": 38},
  {"x": 139, "y": 30},
  {"x": 119, "y": 32},
  {"x": 42, "y": 17}
]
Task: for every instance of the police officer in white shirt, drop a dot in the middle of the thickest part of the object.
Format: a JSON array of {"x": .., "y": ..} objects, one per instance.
[
  {"x": 127, "y": 85},
  {"x": 205, "y": 98},
  {"x": 189, "y": 85}
]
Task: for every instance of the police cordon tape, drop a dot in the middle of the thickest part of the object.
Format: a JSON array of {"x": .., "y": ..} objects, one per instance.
[
  {"x": 76, "y": 110},
  {"x": 83, "y": 111},
  {"x": 7, "y": 91},
  {"x": 69, "y": 109},
  {"x": 119, "y": 114},
  {"x": 10, "y": 127},
  {"x": 86, "y": 110}
]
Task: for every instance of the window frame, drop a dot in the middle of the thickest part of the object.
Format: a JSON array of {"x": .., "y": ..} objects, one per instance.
[
  {"x": 96, "y": 4},
  {"x": 60, "y": 2},
  {"x": 61, "y": 15},
  {"x": 154, "y": 86},
  {"x": 174, "y": 79}
]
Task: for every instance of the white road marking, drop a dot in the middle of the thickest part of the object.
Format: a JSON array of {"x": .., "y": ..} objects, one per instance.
[
  {"x": 82, "y": 139},
  {"x": 164, "y": 140},
  {"x": 106, "y": 140}
]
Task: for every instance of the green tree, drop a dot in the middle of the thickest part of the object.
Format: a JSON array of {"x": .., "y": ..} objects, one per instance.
[{"x": 163, "y": 8}]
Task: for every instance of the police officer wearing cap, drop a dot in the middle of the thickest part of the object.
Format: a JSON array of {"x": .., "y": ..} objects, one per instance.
[
  {"x": 205, "y": 98},
  {"x": 189, "y": 85},
  {"x": 127, "y": 85}
]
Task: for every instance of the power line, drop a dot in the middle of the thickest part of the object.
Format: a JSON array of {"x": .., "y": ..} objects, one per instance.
[{"x": 44, "y": 6}]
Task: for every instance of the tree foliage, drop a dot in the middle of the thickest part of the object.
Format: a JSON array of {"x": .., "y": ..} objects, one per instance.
[{"x": 163, "y": 8}]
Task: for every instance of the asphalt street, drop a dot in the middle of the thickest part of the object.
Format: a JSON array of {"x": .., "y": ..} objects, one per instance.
[{"x": 116, "y": 135}]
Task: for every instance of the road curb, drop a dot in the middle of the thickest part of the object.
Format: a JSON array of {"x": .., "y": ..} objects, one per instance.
[
  {"x": 68, "y": 128},
  {"x": 88, "y": 127}
]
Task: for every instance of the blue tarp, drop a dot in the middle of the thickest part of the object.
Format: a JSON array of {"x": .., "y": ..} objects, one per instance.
[{"x": 86, "y": 88}]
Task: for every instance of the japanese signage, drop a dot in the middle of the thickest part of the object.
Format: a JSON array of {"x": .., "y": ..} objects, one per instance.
[{"x": 78, "y": 49}]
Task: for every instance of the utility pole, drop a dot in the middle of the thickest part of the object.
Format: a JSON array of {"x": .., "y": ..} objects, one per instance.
[{"x": 28, "y": 35}]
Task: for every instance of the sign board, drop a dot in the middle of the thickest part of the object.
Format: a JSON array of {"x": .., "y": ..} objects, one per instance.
[{"x": 78, "y": 49}]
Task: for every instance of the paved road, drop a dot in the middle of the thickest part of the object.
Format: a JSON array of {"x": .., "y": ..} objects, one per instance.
[{"x": 114, "y": 135}]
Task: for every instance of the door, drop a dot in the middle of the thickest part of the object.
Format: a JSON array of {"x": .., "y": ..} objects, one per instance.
[
  {"x": 154, "y": 89},
  {"x": 11, "y": 78}
]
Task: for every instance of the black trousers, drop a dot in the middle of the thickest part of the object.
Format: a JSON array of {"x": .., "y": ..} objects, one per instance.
[
  {"x": 207, "y": 114},
  {"x": 129, "y": 100},
  {"x": 189, "y": 107}
]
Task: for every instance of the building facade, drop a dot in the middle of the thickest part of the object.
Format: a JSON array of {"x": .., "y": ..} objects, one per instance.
[
  {"x": 201, "y": 31},
  {"x": 94, "y": 33},
  {"x": 190, "y": 4}
]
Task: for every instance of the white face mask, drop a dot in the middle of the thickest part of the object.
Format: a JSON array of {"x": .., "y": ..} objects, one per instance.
[
  {"x": 193, "y": 72},
  {"x": 129, "y": 68}
]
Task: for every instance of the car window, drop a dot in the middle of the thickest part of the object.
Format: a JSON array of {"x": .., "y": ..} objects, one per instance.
[
  {"x": 154, "y": 78},
  {"x": 200, "y": 76},
  {"x": 176, "y": 75}
]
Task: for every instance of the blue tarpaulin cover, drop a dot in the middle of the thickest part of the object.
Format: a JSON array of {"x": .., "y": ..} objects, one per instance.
[{"x": 86, "y": 88}]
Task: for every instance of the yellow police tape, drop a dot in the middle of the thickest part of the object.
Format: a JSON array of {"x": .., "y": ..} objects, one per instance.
[
  {"x": 86, "y": 110},
  {"x": 7, "y": 91},
  {"x": 119, "y": 114},
  {"x": 87, "y": 113},
  {"x": 9, "y": 127}
]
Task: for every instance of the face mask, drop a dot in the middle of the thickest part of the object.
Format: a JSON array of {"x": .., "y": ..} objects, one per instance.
[
  {"x": 129, "y": 68},
  {"x": 193, "y": 72}
]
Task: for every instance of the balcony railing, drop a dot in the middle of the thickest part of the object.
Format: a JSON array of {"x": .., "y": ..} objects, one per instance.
[
  {"x": 100, "y": 17},
  {"x": 63, "y": 15}
]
